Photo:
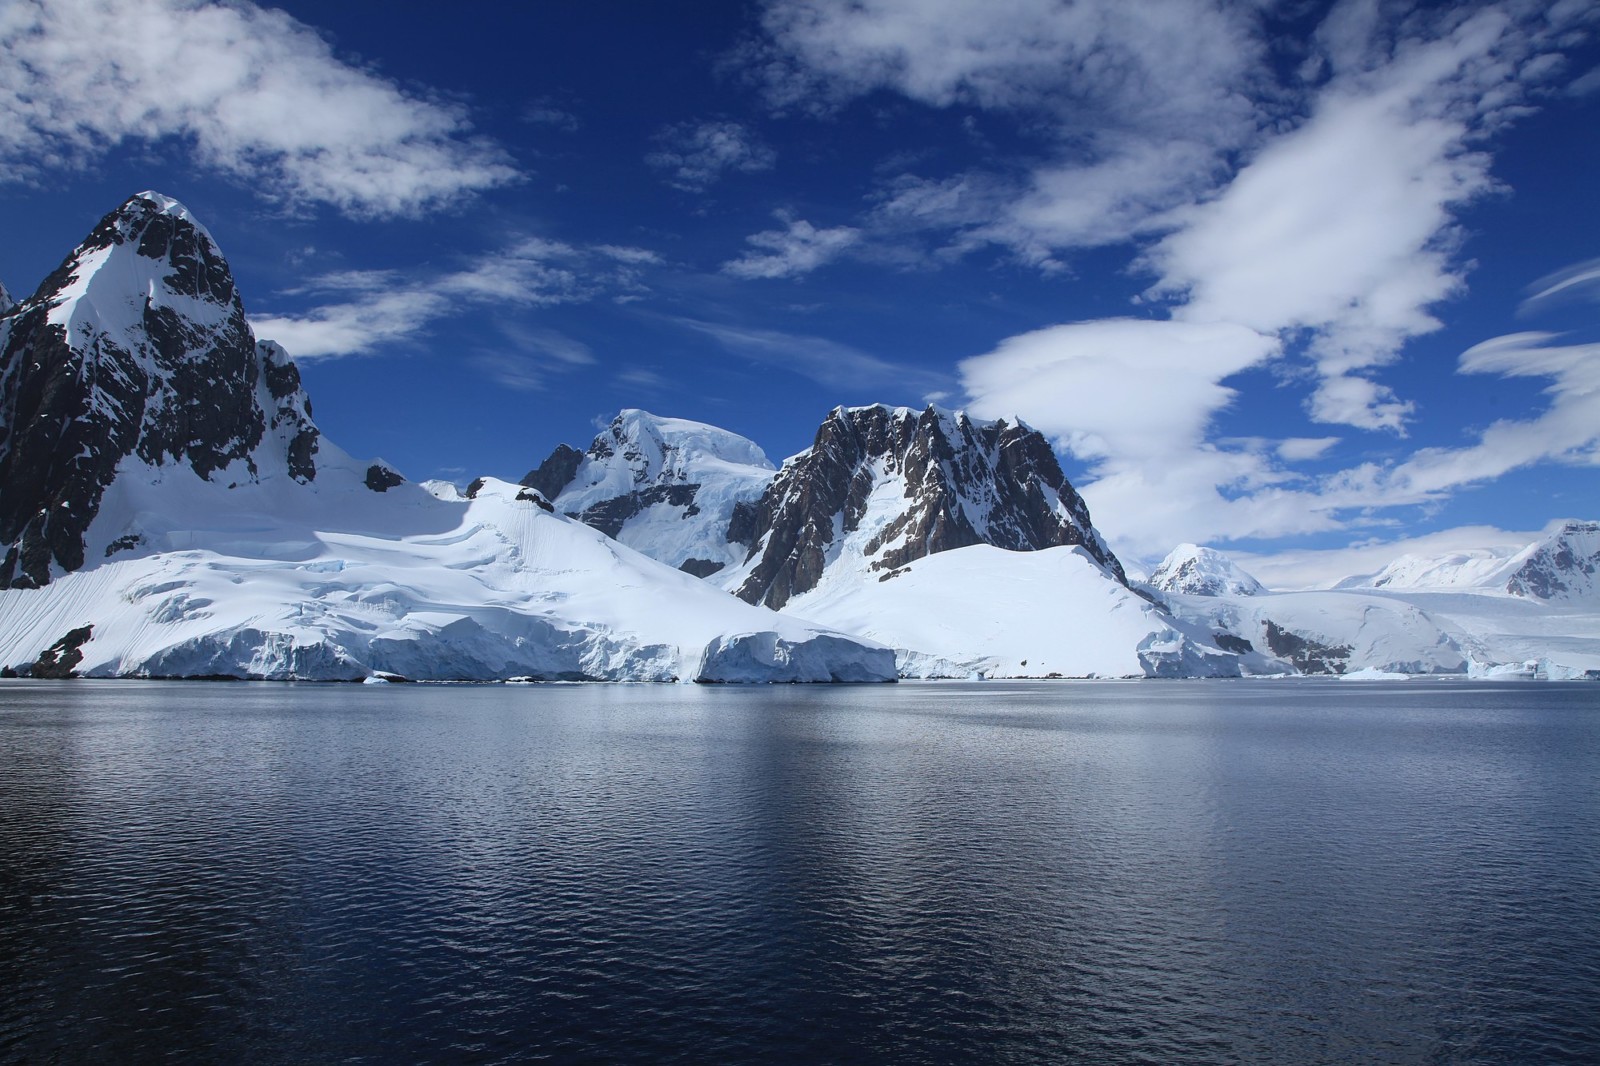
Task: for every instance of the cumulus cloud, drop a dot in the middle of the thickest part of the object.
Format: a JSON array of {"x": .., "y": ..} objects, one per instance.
[
  {"x": 1135, "y": 399},
  {"x": 365, "y": 312},
  {"x": 1345, "y": 227},
  {"x": 696, "y": 155},
  {"x": 252, "y": 92},
  {"x": 786, "y": 253},
  {"x": 1328, "y": 248},
  {"x": 1127, "y": 388}
]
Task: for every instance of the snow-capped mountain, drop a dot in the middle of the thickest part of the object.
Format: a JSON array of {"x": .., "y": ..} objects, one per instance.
[
  {"x": 1464, "y": 569},
  {"x": 6, "y": 302},
  {"x": 882, "y": 487},
  {"x": 1564, "y": 565},
  {"x": 1191, "y": 570},
  {"x": 958, "y": 543},
  {"x": 170, "y": 509},
  {"x": 135, "y": 350},
  {"x": 665, "y": 486}
]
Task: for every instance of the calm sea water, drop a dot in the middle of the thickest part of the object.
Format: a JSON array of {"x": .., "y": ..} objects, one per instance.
[{"x": 1137, "y": 872}]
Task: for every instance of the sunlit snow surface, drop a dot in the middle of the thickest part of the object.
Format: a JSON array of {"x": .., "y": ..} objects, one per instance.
[
  {"x": 999, "y": 613},
  {"x": 334, "y": 581}
]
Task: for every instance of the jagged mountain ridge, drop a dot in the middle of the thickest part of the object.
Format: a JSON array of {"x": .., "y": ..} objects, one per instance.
[
  {"x": 136, "y": 346},
  {"x": 881, "y": 487},
  {"x": 214, "y": 532}
]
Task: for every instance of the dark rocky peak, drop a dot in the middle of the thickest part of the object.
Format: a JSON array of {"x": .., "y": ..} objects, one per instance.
[
  {"x": 555, "y": 473},
  {"x": 899, "y": 485},
  {"x": 1564, "y": 565},
  {"x": 6, "y": 302},
  {"x": 135, "y": 349}
]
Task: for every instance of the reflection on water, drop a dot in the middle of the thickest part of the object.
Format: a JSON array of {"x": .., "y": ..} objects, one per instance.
[{"x": 1197, "y": 872}]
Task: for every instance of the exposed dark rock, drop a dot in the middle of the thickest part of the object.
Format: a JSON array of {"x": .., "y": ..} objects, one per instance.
[
  {"x": 1308, "y": 656},
  {"x": 381, "y": 479},
  {"x": 1567, "y": 562},
  {"x": 700, "y": 567},
  {"x": 166, "y": 388},
  {"x": 608, "y": 516},
  {"x": 1229, "y": 642},
  {"x": 123, "y": 544},
  {"x": 61, "y": 658},
  {"x": 966, "y": 483},
  {"x": 555, "y": 473},
  {"x": 536, "y": 498},
  {"x": 472, "y": 490}
]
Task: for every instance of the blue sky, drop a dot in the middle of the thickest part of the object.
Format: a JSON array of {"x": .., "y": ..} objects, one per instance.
[{"x": 1269, "y": 273}]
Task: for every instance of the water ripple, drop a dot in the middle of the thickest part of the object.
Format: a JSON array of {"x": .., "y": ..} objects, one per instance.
[{"x": 1111, "y": 873}]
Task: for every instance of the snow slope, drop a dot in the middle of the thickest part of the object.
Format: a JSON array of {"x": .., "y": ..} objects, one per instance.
[
  {"x": 664, "y": 486},
  {"x": 284, "y": 581},
  {"x": 1048, "y": 613},
  {"x": 1331, "y": 632},
  {"x": 168, "y": 508}
]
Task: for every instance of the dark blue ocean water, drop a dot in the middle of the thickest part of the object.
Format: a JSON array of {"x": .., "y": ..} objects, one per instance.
[{"x": 1138, "y": 872}]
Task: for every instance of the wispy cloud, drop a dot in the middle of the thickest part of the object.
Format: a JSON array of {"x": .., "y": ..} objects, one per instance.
[
  {"x": 256, "y": 95},
  {"x": 1327, "y": 251},
  {"x": 825, "y": 361},
  {"x": 695, "y": 156},
  {"x": 368, "y": 311},
  {"x": 1139, "y": 105},
  {"x": 1578, "y": 282},
  {"x": 797, "y": 249}
]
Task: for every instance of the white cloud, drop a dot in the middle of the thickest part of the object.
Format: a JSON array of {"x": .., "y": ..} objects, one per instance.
[
  {"x": 1567, "y": 431},
  {"x": 547, "y": 112},
  {"x": 355, "y": 327},
  {"x": 1580, "y": 281},
  {"x": 1132, "y": 389},
  {"x": 1136, "y": 399},
  {"x": 1345, "y": 226},
  {"x": 259, "y": 96},
  {"x": 1332, "y": 244},
  {"x": 1322, "y": 567},
  {"x": 787, "y": 253},
  {"x": 1141, "y": 102},
  {"x": 1300, "y": 449},
  {"x": 514, "y": 370},
  {"x": 825, "y": 361},
  {"x": 696, "y": 156},
  {"x": 377, "y": 309}
]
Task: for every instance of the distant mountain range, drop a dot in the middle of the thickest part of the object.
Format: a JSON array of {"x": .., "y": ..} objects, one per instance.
[{"x": 168, "y": 508}]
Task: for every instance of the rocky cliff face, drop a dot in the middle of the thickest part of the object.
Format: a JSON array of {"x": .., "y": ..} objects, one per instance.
[
  {"x": 881, "y": 487},
  {"x": 1563, "y": 566},
  {"x": 135, "y": 350}
]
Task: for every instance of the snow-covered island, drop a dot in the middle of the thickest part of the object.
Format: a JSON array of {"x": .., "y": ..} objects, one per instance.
[{"x": 168, "y": 508}]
